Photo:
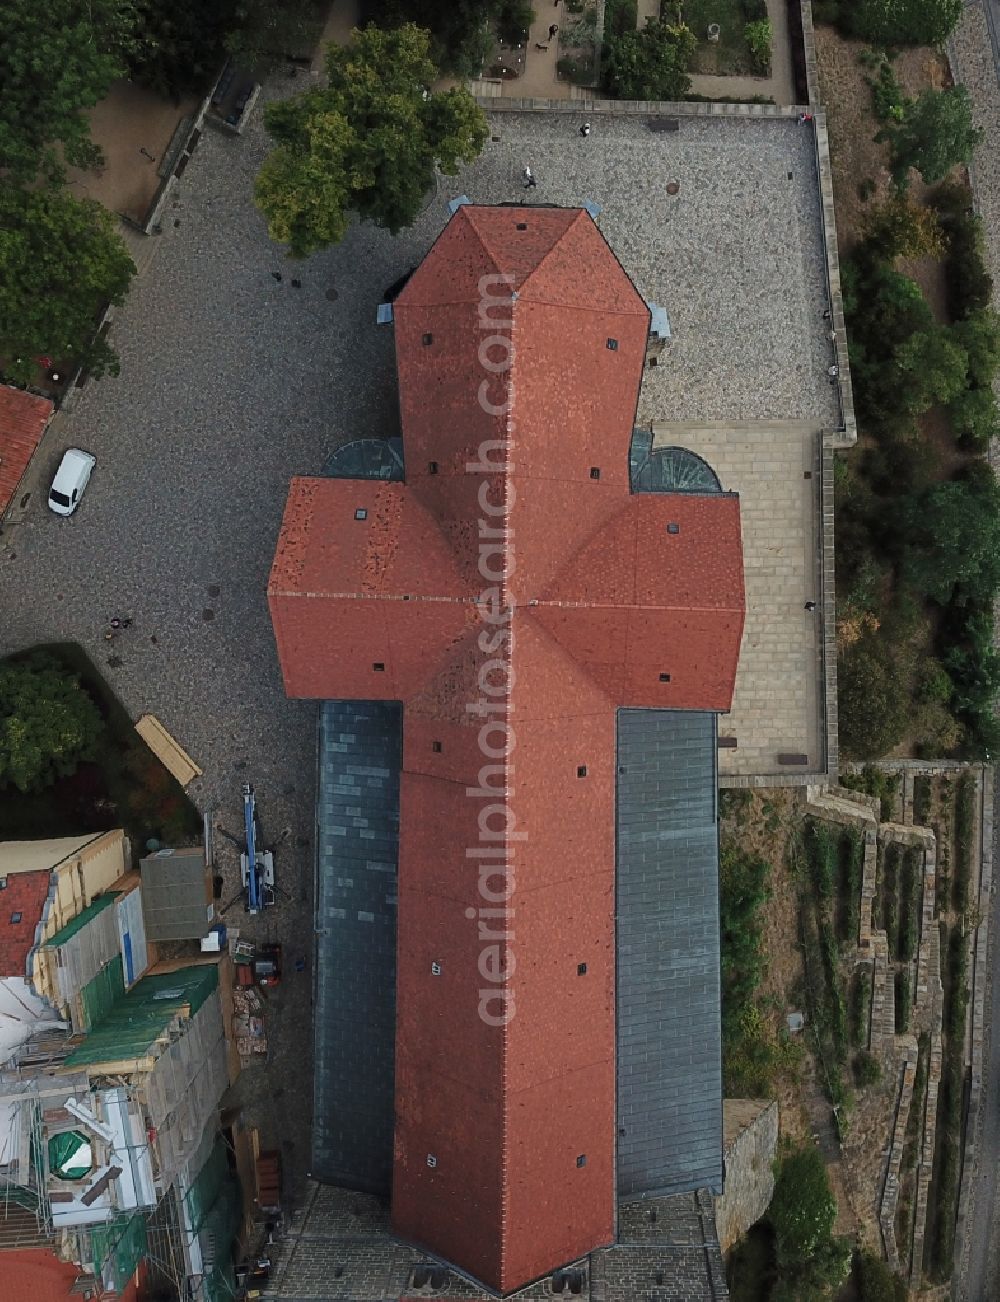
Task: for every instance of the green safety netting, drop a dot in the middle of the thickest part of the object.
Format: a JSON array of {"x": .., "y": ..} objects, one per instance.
[
  {"x": 78, "y": 923},
  {"x": 213, "y": 1207},
  {"x": 70, "y": 1155},
  {"x": 99, "y": 995},
  {"x": 117, "y": 1248},
  {"x": 134, "y": 1021}
]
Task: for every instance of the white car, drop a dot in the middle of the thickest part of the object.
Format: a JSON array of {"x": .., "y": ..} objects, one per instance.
[{"x": 70, "y": 481}]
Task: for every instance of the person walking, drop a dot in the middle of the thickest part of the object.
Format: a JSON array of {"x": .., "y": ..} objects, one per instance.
[
  {"x": 585, "y": 129},
  {"x": 529, "y": 178},
  {"x": 552, "y": 30}
]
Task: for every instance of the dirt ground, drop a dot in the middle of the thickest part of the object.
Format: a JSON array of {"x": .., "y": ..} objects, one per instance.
[
  {"x": 129, "y": 120},
  {"x": 851, "y": 123}
]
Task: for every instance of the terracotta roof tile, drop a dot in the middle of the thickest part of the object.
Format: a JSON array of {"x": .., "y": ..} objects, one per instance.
[
  {"x": 599, "y": 600},
  {"x": 23, "y": 417},
  {"x": 23, "y": 899}
]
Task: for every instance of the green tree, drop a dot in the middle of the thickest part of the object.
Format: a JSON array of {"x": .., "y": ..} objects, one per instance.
[
  {"x": 974, "y": 418},
  {"x": 979, "y": 336},
  {"x": 48, "y": 724},
  {"x": 803, "y": 1207},
  {"x": 651, "y": 63},
  {"x": 55, "y": 61},
  {"x": 932, "y": 366},
  {"x": 902, "y": 22},
  {"x": 61, "y": 260},
  {"x": 872, "y": 699},
  {"x": 953, "y": 532},
  {"x": 367, "y": 143},
  {"x": 461, "y": 30},
  {"x": 934, "y": 134},
  {"x": 264, "y": 30},
  {"x": 903, "y": 228},
  {"x": 876, "y": 1282},
  {"x": 178, "y": 47}
]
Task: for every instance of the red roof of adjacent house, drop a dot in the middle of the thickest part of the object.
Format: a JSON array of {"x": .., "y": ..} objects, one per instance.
[
  {"x": 513, "y": 593},
  {"x": 22, "y": 904},
  {"x": 23, "y": 417},
  {"x": 37, "y": 1275}
]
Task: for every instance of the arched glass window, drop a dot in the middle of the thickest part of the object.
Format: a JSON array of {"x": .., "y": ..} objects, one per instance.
[
  {"x": 366, "y": 459},
  {"x": 675, "y": 470}
]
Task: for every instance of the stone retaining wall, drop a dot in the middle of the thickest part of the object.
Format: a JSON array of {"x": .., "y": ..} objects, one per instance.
[{"x": 890, "y": 1187}]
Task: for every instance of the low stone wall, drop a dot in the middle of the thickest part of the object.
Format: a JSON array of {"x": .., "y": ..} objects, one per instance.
[
  {"x": 750, "y": 1140},
  {"x": 890, "y": 1187}
]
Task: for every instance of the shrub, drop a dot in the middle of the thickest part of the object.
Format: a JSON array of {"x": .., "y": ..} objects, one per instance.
[
  {"x": 888, "y": 97},
  {"x": 909, "y": 913},
  {"x": 921, "y": 799},
  {"x": 876, "y": 1282},
  {"x": 861, "y": 998},
  {"x": 866, "y": 1070},
  {"x": 620, "y": 16},
  {"x": 754, "y": 11},
  {"x": 514, "y": 20},
  {"x": 969, "y": 284},
  {"x": 758, "y": 38},
  {"x": 934, "y": 134},
  {"x": 901, "y": 22},
  {"x": 965, "y": 813},
  {"x": 803, "y": 1207},
  {"x": 651, "y": 63},
  {"x": 872, "y": 700},
  {"x": 975, "y": 418}
]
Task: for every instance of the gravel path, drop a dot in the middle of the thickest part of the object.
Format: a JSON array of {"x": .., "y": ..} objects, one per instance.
[{"x": 975, "y": 65}]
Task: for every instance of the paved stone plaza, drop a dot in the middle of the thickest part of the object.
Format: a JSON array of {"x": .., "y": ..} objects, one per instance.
[{"x": 235, "y": 378}]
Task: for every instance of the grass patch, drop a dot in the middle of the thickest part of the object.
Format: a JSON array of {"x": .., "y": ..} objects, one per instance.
[
  {"x": 825, "y": 1002},
  {"x": 125, "y": 785},
  {"x": 943, "y": 1196},
  {"x": 921, "y": 799},
  {"x": 873, "y": 781},
  {"x": 965, "y": 813},
  {"x": 730, "y": 53},
  {"x": 861, "y": 1004},
  {"x": 851, "y": 855},
  {"x": 752, "y": 1051},
  {"x": 910, "y": 894}
]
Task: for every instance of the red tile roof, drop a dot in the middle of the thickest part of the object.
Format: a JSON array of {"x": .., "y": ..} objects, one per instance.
[
  {"x": 36, "y": 1274},
  {"x": 25, "y": 895},
  {"x": 23, "y": 417},
  {"x": 545, "y": 597}
]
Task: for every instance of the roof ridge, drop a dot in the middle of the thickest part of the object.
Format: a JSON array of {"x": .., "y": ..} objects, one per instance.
[{"x": 578, "y": 215}]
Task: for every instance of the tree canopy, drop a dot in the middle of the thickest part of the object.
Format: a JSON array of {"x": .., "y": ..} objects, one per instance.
[
  {"x": 48, "y": 724},
  {"x": 811, "y": 1263},
  {"x": 902, "y": 22},
  {"x": 934, "y": 134},
  {"x": 954, "y": 532},
  {"x": 461, "y": 30},
  {"x": 55, "y": 61},
  {"x": 61, "y": 260},
  {"x": 650, "y": 63},
  {"x": 367, "y": 143}
]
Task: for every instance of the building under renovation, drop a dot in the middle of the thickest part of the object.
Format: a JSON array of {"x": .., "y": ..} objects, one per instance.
[{"x": 111, "y": 1077}]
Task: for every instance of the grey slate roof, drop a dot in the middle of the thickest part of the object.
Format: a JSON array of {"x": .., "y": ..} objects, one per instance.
[
  {"x": 669, "y": 1023},
  {"x": 357, "y": 814},
  {"x": 669, "y": 1014}
]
